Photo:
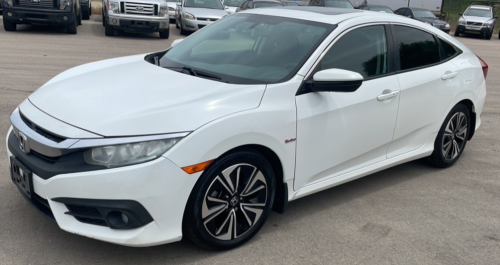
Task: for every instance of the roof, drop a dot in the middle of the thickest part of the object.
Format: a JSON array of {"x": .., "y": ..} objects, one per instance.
[
  {"x": 480, "y": 7},
  {"x": 321, "y": 9}
]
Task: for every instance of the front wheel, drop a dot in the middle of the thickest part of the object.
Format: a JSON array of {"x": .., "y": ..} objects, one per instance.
[
  {"x": 9, "y": 26},
  {"x": 108, "y": 30},
  {"x": 452, "y": 137},
  {"x": 86, "y": 13},
  {"x": 164, "y": 34},
  {"x": 71, "y": 29},
  {"x": 457, "y": 33},
  {"x": 231, "y": 201}
]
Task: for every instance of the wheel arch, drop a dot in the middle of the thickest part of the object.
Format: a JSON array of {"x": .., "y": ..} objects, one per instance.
[{"x": 472, "y": 111}]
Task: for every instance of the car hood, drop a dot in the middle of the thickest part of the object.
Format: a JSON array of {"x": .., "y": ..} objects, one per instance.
[
  {"x": 172, "y": 4},
  {"x": 129, "y": 96},
  {"x": 432, "y": 20},
  {"x": 206, "y": 12},
  {"x": 476, "y": 19},
  {"x": 231, "y": 9}
]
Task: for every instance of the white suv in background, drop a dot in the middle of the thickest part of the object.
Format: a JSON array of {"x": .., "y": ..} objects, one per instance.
[{"x": 477, "y": 19}]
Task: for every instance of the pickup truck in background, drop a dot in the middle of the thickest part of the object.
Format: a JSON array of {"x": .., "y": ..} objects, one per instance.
[
  {"x": 136, "y": 16},
  {"x": 66, "y": 13}
]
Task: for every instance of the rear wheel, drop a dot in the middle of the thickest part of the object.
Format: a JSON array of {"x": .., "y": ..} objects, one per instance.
[
  {"x": 86, "y": 13},
  {"x": 164, "y": 34},
  {"x": 9, "y": 26},
  {"x": 457, "y": 33},
  {"x": 452, "y": 137},
  {"x": 231, "y": 201},
  {"x": 80, "y": 17}
]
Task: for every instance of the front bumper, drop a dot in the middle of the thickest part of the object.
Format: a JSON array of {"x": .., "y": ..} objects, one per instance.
[
  {"x": 194, "y": 24},
  {"x": 159, "y": 186},
  {"x": 474, "y": 29},
  {"x": 22, "y": 15},
  {"x": 139, "y": 24}
]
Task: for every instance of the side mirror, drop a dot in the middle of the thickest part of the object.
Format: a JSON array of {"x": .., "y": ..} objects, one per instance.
[
  {"x": 333, "y": 80},
  {"x": 175, "y": 42}
]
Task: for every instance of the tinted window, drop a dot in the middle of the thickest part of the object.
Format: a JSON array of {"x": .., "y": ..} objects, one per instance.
[
  {"x": 401, "y": 11},
  {"x": 447, "y": 50},
  {"x": 362, "y": 50},
  {"x": 416, "y": 48},
  {"x": 423, "y": 13},
  {"x": 407, "y": 12}
]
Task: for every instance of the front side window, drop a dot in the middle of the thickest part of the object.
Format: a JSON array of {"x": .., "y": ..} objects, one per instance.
[
  {"x": 362, "y": 50},
  {"x": 475, "y": 12},
  {"x": 417, "y": 48},
  {"x": 247, "y": 49}
]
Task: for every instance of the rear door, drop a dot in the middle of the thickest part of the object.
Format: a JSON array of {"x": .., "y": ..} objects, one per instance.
[{"x": 429, "y": 81}]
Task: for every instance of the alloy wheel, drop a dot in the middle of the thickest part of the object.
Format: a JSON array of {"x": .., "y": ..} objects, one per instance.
[
  {"x": 454, "y": 137},
  {"x": 234, "y": 201}
]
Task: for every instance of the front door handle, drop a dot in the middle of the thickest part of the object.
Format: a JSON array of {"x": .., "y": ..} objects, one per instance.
[
  {"x": 388, "y": 95},
  {"x": 449, "y": 75}
]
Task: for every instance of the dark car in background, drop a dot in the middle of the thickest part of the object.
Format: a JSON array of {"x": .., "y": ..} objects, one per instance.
[
  {"x": 251, "y": 4},
  {"x": 332, "y": 3},
  {"x": 425, "y": 16},
  {"x": 376, "y": 8},
  {"x": 66, "y": 13}
]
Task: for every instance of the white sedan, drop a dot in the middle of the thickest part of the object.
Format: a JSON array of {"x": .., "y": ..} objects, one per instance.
[{"x": 261, "y": 108}]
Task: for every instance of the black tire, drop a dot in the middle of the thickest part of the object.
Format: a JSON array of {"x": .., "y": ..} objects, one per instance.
[
  {"x": 251, "y": 167},
  {"x": 9, "y": 26},
  {"x": 164, "y": 34},
  {"x": 108, "y": 30},
  {"x": 172, "y": 20},
  {"x": 452, "y": 137},
  {"x": 177, "y": 24},
  {"x": 103, "y": 20},
  {"x": 488, "y": 36},
  {"x": 80, "y": 18},
  {"x": 183, "y": 31},
  {"x": 71, "y": 29},
  {"x": 86, "y": 13},
  {"x": 457, "y": 33}
]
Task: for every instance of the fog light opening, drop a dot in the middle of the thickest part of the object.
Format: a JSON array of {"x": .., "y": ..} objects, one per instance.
[
  {"x": 9, "y": 14},
  {"x": 114, "y": 21},
  {"x": 65, "y": 18},
  {"x": 117, "y": 219}
]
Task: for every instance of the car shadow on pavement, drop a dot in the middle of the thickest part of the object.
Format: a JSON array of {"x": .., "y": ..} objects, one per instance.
[{"x": 40, "y": 29}]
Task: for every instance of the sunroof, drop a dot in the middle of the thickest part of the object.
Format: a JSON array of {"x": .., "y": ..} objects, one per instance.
[{"x": 320, "y": 9}]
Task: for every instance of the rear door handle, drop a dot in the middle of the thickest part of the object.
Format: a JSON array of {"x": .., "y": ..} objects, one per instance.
[
  {"x": 449, "y": 75},
  {"x": 387, "y": 95}
]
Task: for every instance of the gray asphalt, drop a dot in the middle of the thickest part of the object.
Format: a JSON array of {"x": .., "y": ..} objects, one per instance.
[{"x": 409, "y": 214}]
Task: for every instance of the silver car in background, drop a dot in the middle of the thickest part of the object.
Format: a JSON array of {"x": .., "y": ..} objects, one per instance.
[
  {"x": 477, "y": 19},
  {"x": 232, "y": 5},
  {"x": 192, "y": 15},
  {"x": 172, "y": 6}
]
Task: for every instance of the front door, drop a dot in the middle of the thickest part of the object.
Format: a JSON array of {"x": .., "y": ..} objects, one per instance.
[{"x": 342, "y": 132}]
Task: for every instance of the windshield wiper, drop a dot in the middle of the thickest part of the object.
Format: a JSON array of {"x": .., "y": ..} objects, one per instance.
[{"x": 197, "y": 73}]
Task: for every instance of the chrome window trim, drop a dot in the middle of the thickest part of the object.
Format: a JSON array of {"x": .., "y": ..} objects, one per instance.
[{"x": 49, "y": 148}]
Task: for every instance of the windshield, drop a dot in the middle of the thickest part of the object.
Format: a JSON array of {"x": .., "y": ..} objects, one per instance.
[
  {"x": 234, "y": 3},
  {"x": 381, "y": 9},
  {"x": 286, "y": 3},
  {"x": 213, "y": 4},
  {"x": 423, "y": 14},
  {"x": 338, "y": 3},
  {"x": 266, "y": 4},
  {"x": 247, "y": 49},
  {"x": 173, "y": 1},
  {"x": 477, "y": 12}
]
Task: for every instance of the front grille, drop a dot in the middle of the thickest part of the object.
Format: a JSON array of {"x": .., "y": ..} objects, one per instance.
[
  {"x": 140, "y": 9},
  {"x": 85, "y": 214},
  {"x": 38, "y": 3},
  {"x": 207, "y": 19},
  {"x": 41, "y": 131},
  {"x": 474, "y": 23},
  {"x": 42, "y": 205}
]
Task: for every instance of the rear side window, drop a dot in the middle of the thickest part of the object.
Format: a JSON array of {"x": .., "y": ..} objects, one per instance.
[
  {"x": 447, "y": 50},
  {"x": 400, "y": 11},
  {"x": 362, "y": 50},
  {"x": 417, "y": 48},
  {"x": 407, "y": 13}
]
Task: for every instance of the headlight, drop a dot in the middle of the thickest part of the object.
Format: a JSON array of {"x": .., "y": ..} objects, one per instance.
[
  {"x": 163, "y": 11},
  {"x": 114, "y": 6},
  {"x": 447, "y": 26},
  {"x": 186, "y": 15},
  {"x": 128, "y": 154},
  {"x": 461, "y": 21},
  {"x": 64, "y": 3},
  {"x": 488, "y": 23}
]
